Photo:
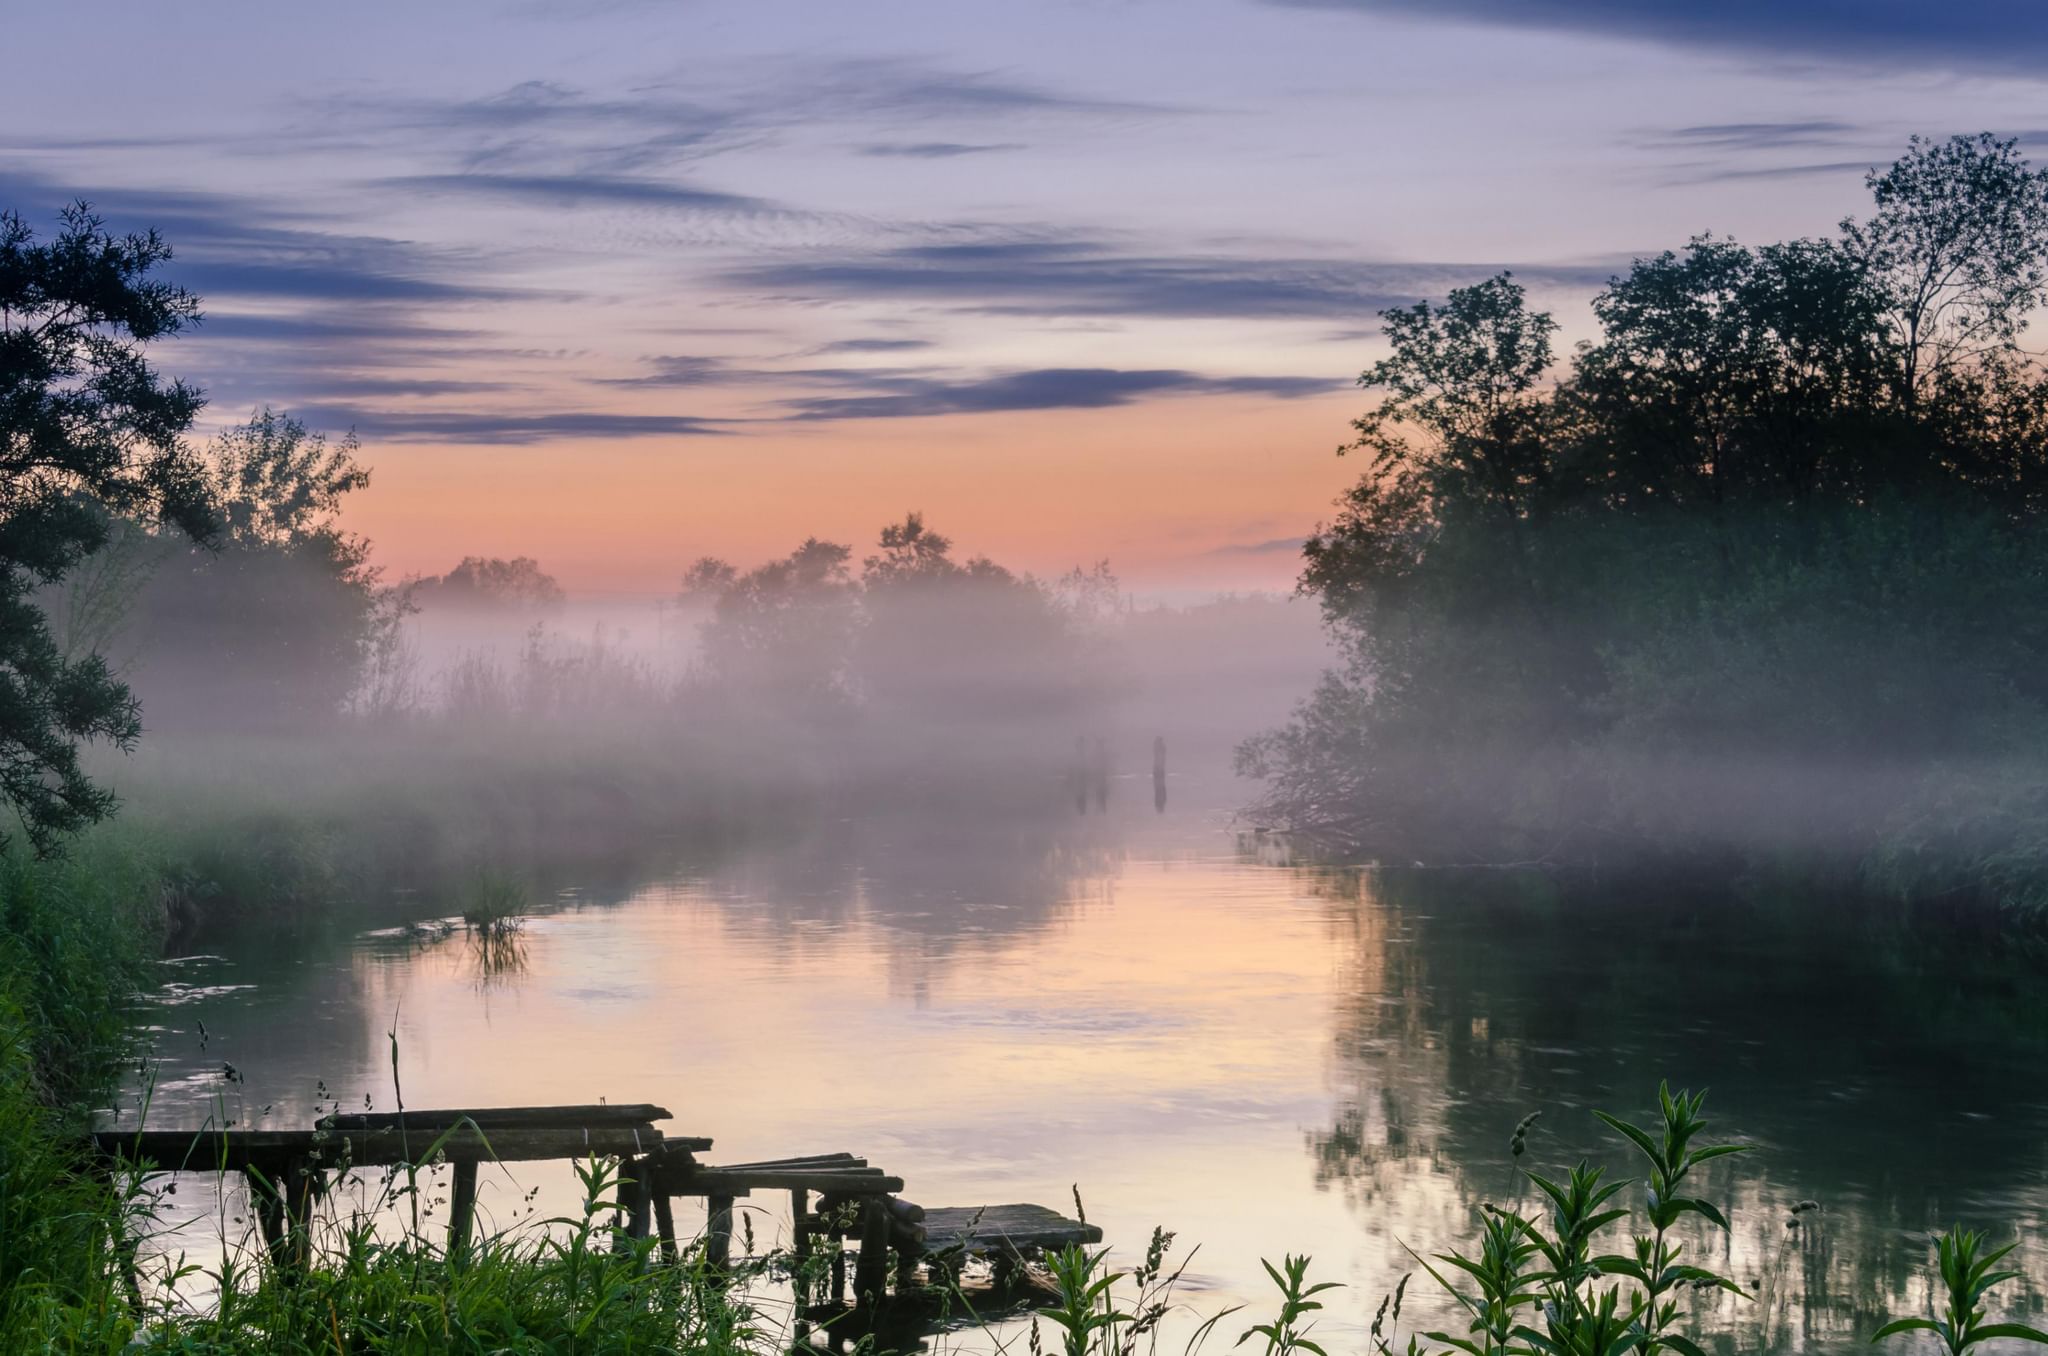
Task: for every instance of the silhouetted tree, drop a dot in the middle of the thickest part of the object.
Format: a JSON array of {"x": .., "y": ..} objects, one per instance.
[
  {"x": 271, "y": 625},
  {"x": 490, "y": 582},
  {"x": 89, "y": 434},
  {"x": 1791, "y": 505}
]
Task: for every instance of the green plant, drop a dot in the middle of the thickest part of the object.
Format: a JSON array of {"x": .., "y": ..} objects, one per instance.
[
  {"x": 1286, "y": 1334},
  {"x": 1967, "y": 1276},
  {"x": 1578, "y": 1317}
]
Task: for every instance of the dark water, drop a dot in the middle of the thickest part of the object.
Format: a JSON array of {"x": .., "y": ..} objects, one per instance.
[{"x": 1264, "y": 1057}]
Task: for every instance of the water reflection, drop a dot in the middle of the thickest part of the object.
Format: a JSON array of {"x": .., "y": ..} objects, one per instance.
[{"x": 1262, "y": 1055}]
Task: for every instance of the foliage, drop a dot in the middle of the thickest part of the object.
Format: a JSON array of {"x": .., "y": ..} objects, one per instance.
[
  {"x": 273, "y": 623},
  {"x": 1760, "y": 570},
  {"x": 88, "y": 433},
  {"x": 490, "y": 582},
  {"x": 1967, "y": 1276}
]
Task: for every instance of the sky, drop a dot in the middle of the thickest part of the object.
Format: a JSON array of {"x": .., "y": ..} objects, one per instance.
[{"x": 617, "y": 284}]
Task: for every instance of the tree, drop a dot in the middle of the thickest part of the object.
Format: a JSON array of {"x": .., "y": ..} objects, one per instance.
[
  {"x": 272, "y": 624},
  {"x": 89, "y": 432},
  {"x": 782, "y": 634},
  {"x": 1958, "y": 246},
  {"x": 1731, "y": 375},
  {"x": 1465, "y": 376},
  {"x": 491, "y": 582}
]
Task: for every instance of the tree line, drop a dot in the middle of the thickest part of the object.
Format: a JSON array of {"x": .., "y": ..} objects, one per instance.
[{"x": 1761, "y": 563}]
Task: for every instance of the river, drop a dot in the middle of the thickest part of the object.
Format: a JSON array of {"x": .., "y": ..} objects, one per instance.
[{"x": 1263, "y": 1056}]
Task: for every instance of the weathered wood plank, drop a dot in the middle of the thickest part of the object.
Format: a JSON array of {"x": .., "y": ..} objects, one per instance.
[
  {"x": 722, "y": 1181},
  {"x": 1003, "y": 1228},
  {"x": 235, "y": 1150},
  {"x": 831, "y": 1161},
  {"x": 502, "y": 1117}
]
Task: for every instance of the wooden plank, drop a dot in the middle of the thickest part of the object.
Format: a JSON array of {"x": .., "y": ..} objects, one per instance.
[
  {"x": 186, "y": 1150},
  {"x": 502, "y": 1117},
  {"x": 1003, "y": 1228},
  {"x": 859, "y": 1182},
  {"x": 833, "y": 1161}
]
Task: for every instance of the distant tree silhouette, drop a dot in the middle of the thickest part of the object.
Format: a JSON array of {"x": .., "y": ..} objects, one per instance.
[
  {"x": 89, "y": 434},
  {"x": 271, "y": 625},
  {"x": 490, "y": 582}
]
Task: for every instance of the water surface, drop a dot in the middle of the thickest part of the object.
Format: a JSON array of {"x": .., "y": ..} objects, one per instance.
[{"x": 1261, "y": 1056}]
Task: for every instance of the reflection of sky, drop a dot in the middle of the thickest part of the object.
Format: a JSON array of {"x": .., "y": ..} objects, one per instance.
[
  {"x": 1259, "y": 1057},
  {"x": 618, "y": 284}
]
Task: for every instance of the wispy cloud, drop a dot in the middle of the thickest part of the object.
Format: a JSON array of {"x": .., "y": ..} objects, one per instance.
[
  {"x": 1052, "y": 388},
  {"x": 936, "y": 150},
  {"x": 1277, "y": 546},
  {"x": 1974, "y": 34},
  {"x": 506, "y": 429},
  {"x": 1079, "y": 277},
  {"x": 572, "y": 189},
  {"x": 1757, "y": 136},
  {"x": 1716, "y": 174}
]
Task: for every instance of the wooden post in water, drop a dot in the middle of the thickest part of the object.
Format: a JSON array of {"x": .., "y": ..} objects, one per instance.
[
  {"x": 665, "y": 1223},
  {"x": 871, "y": 1271},
  {"x": 800, "y": 1244},
  {"x": 461, "y": 1209},
  {"x": 636, "y": 1194},
  {"x": 1159, "y": 773},
  {"x": 266, "y": 1196},
  {"x": 718, "y": 1231}
]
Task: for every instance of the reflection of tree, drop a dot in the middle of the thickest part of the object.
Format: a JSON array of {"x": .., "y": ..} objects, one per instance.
[
  {"x": 931, "y": 888},
  {"x": 1466, "y": 1000}
]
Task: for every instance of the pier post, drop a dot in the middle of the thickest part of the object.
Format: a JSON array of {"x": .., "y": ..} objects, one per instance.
[
  {"x": 461, "y": 1210},
  {"x": 718, "y": 1231},
  {"x": 871, "y": 1271}
]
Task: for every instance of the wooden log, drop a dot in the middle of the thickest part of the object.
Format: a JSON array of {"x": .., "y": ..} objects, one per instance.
[
  {"x": 718, "y": 1232},
  {"x": 871, "y": 1269},
  {"x": 461, "y": 1210},
  {"x": 910, "y": 1212}
]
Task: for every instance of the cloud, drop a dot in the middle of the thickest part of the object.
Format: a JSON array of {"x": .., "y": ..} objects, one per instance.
[
  {"x": 1755, "y": 136},
  {"x": 574, "y": 189},
  {"x": 873, "y": 346},
  {"x": 489, "y": 427},
  {"x": 1087, "y": 278},
  {"x": 935, "y": 150},
  {"x": 1963, "y": 34},
  {"x": 230, "y": 246},
  {"x": 1277, "y": 546},
  {"x": 1683, "y": 175},
  {"x": 897, "y": 87},
  {"x": 1051, "y": 388}
]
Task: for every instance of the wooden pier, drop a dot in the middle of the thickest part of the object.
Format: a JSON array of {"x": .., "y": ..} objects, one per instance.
[{"x": 856, "y": 1203}]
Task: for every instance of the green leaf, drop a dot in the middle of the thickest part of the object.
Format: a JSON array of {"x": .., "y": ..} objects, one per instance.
[
  {"x": 1642, "y": 1139},
  {"x": 1899, "y": 1325}
]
